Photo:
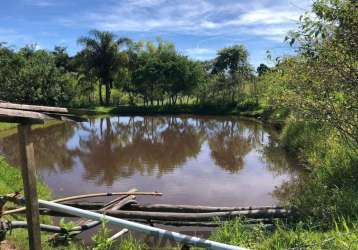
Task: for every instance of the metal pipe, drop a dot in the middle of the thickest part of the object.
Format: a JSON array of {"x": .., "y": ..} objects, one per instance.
[{"x": 191, "y": 240}]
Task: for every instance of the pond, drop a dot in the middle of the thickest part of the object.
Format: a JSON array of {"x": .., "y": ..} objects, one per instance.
[{"x": 196, "y": 160}]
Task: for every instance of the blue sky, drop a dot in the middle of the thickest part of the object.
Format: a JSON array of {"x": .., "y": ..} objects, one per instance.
[{"x": 197, "y": 27}]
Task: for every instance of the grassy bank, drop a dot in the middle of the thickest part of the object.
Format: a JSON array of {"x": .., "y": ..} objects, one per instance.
[
  {"x": 298, "y": 236},
  {"x": 10, "y": 182},
  {"x": 196, "y": 109},
  {"x": 6, "y": 126},
  {"x": 327, "y": 200}
]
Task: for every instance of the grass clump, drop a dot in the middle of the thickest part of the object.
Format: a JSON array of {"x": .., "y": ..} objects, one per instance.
[
  {"x": 298, "y": 236},
  {"x": 331, "y": 190},
  {"x": 11, "y": 181}
]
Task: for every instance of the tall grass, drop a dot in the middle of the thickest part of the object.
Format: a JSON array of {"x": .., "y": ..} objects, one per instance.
[
  {"x": 331, "y": 191},
  {"x": 298, "y": 236},
  {"x": 11, "y": 181}
]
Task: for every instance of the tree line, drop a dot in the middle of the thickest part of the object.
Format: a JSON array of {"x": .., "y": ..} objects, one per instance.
[{"x": 145, "y": 72}]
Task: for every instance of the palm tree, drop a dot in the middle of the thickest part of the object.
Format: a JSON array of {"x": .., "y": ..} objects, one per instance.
[{"x": 102, "y": 53}]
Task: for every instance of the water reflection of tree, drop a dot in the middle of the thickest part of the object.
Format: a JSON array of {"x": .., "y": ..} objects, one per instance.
[
  {"x": 49, "y": 145},
  {"x": 151, "y": 145},
  {"x": 111, "y": 148},
  {"x": 280, "y": 162},
  {"x": 230, "y": 141}
]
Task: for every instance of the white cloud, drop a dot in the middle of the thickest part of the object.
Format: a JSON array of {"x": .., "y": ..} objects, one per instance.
[
  {"x": 199, "y": 51},
  {"x": 267, "y": 18},
  {"x": 271, "y": 32}
]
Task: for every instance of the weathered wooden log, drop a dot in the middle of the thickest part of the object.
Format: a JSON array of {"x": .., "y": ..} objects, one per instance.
[
  {"x": 120, "y": 202},
  {"x": 253, "y": 214},
  {"x": 123, "y": 203},
  {"x": 19, "y": 116},
  {"x": 202, "y": 224},
  {"x": 110, "y": 204},
  {"x": 8, "y": 105},
  {"x": 168, "y": 208},
  {"x": 37, "y": 108},
  {"x": 78, "y": 197},
  {"x": 84, "y": 196},
  {"x": 192, "y": 209},
  {"x": 119, "y": 234}
]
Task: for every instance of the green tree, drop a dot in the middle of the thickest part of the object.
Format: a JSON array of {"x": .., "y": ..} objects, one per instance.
[
  {"x": 262, "y": 69},
  {"x": 31, "y": 76},
  {"x": 62, "y": 59},
  {"x": 160, "y": 72},
  {"x": 102, "y": 51},
  {"x": 320, "y": 83},
  {"x": 232, "y": 61}
]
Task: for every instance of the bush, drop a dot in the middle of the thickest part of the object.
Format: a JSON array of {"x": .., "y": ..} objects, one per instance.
[
  {"x": 33, "y": 78},
  {"x": 330, "y": 191},
  {"x": 247, "y": 103}
]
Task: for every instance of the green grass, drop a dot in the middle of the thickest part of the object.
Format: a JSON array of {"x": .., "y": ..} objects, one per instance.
[
  {"x": 6, "y": 126},
  {"x": 11, "y": 181},
  {"x": 331, "y": 189},
  {"x": 298, "y": 236},
  {"x": 195, "y": 109}
]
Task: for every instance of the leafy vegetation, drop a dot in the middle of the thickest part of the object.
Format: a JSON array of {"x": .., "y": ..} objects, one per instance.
[
  {"x": 135, "y": 73},
  {"x": 31, "y": 76},
  {"x": 313, "y": 93},
  {"x": 316, "y": 92},
  {"x": 11, "y": 180},
  {"x": 298, "y": 236}
]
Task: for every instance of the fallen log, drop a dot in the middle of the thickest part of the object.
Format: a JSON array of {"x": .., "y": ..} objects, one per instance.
[
  {"x": 10, "y": 225},
  {"x": 191, "y": 209},
  {"x": 266, "y": 213},
  {"x": 201, "y": 223},
  {"x": 118, "y": 203},
  {"x": 77, "y": 197},
  {"x": 168, "y": 207},
  {"x": 252, "y": 214}
]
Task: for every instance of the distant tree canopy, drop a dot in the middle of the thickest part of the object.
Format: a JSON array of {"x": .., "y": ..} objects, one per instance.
[
  {"x": 102, "y": 54},
  {"x": 161, "y": 72},
  {"x": 262, "y": 69},
  {"x": 319, "y": 82},
  {"x": 232, "y": 69},
  {"x": 32, "y": 76},
  {"x": 145, "y": 72}
]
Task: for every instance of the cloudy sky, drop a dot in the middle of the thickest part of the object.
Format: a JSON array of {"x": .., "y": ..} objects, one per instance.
[{"x": 197, "y": 27}]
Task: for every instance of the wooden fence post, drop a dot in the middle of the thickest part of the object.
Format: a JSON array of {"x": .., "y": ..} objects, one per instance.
[{"x": 29, "y": 180}]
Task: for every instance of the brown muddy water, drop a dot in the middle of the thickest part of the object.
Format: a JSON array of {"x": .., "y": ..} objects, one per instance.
[{"x": 196, "y": 160}]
